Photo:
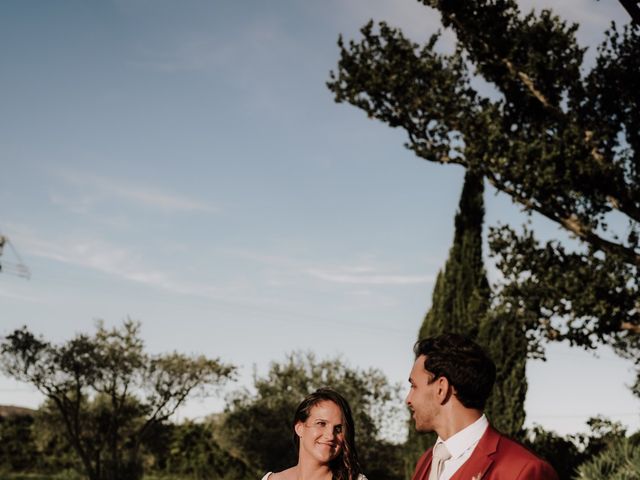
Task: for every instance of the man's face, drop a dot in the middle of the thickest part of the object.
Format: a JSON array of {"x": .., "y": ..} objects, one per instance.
[{"x": 422, "y": 397}]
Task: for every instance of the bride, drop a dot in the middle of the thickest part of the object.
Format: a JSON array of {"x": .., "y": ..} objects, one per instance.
[{"x": 324, "y": 435}]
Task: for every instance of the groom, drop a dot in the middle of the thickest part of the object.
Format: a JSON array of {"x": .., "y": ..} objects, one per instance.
[{"x": 450, "y": 381}]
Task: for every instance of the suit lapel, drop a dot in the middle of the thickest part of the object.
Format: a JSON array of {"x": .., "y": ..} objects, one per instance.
[{"x": 477, "y": 466}]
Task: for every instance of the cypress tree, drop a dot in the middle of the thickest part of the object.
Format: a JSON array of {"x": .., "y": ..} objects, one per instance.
[
  {"x": 503, "y": 336},
  {"x": 461, "y": 303},
  {"x": 461, "y": 293}
]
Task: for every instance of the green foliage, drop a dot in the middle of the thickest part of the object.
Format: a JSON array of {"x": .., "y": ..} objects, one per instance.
[
  {"x": 105, "y": 393},
  {"x": 503, "y": 335},
  {"x": 257, "y": 427},
  {"x": 29, "y": 444},
  {"x": 461, "y": 293},
  {"x": 54, "y": 450},
  {"x": 193, "y": 452},
  {"x": 619, "y": 461},
  {"x": 18, "y": 451},
  {"x": 64, "y": 475},
  {"x": 559, "y": 143},
  {"x": 568, "y": 453},
  {"x": 563, "y": 453}
]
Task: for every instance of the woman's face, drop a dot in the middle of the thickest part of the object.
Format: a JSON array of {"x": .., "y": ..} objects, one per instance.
[{"x": 322, "y": 435}]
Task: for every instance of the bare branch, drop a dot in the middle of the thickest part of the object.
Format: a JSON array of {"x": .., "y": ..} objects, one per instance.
[{"x": 630, "y": 327}]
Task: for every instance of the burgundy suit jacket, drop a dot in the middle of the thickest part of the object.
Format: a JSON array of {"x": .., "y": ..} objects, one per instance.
[{"x": 495, "y": 457}]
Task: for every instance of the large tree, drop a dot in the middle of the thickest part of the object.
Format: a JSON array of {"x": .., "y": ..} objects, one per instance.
[
  {"x": 559, "y": 138},
  {"x": 106, "y": 392}
]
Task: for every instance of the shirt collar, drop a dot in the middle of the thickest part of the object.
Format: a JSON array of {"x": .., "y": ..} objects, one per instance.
[{"x": 466, "y": 438}]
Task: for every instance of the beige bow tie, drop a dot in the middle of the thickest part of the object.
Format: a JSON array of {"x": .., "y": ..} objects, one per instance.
[{"x": 440, "y": 455}]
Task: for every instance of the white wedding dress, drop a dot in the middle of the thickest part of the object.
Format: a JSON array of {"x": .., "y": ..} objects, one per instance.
[{"x": 360, "y": 477}]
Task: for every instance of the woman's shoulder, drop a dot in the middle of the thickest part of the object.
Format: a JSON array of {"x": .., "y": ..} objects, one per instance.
[
  {"x": 360, "y": 477},
  {"x": 268, "y": 474},
  {"x": 288, "y": 474}
]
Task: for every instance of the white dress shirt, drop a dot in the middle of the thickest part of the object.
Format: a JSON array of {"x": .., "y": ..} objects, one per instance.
[{"x": 461, "y": 446}]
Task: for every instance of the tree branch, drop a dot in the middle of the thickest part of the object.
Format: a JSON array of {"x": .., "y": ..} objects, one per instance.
[
  {"x": 632, "y": 8},
  {"x": 630, "y": 327},
  {"x": 570, "y": 223},
  {"x": 526, "y": 80}
]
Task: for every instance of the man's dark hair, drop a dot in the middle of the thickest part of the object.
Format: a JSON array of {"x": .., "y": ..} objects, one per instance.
[{"x": 463, "y": 363}]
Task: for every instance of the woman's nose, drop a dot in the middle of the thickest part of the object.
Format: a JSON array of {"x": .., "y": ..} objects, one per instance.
[{"x": 329, "y": 433}]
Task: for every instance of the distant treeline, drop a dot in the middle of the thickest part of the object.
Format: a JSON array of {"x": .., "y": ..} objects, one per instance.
[
  {"x": 251, "y": 436},
  {"x": 110, "y": 408}
]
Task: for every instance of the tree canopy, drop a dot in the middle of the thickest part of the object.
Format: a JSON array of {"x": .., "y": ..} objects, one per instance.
[
  {"x": 560, "y": 138},
  {"x": 106, "y": 392}
]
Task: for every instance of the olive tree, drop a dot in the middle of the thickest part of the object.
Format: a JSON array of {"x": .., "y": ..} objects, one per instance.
[{"x": 106, "y": 391}]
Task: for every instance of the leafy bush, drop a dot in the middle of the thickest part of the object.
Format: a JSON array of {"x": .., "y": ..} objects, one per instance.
[
  {"x": 619, "y": 461},
  {"x": 570, "y": 452}
]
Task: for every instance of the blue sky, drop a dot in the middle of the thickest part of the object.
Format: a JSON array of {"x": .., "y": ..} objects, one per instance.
[{"x": 183, "y": 164}]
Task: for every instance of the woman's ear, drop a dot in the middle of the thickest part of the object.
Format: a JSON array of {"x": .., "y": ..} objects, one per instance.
[{"x": 298, "y": 428}]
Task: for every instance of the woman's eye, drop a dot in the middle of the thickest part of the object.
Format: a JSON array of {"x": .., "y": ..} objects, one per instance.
[{"x": 338, "y": 430}]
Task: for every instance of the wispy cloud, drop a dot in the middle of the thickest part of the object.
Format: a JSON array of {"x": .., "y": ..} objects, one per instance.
[
  {"x": 109, "y": 259},
  {"x": 100, "y": 187},
  {"x": 104, "y": 257},
  {"x": 218, "y": 51},
  {"x": 195, "y": 53},
  {"x": 363, "y": 276},
  {"x": 281, "y": 261},
  {"x": 17, "y": 296},
  {"x": 80, "y": 204},
  {"x": 365, "y": 273}
]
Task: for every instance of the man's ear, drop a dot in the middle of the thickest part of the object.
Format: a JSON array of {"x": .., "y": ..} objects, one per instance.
[
  {"x": 444, "y": 389},
  {"x": 298, "y": 428}
]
